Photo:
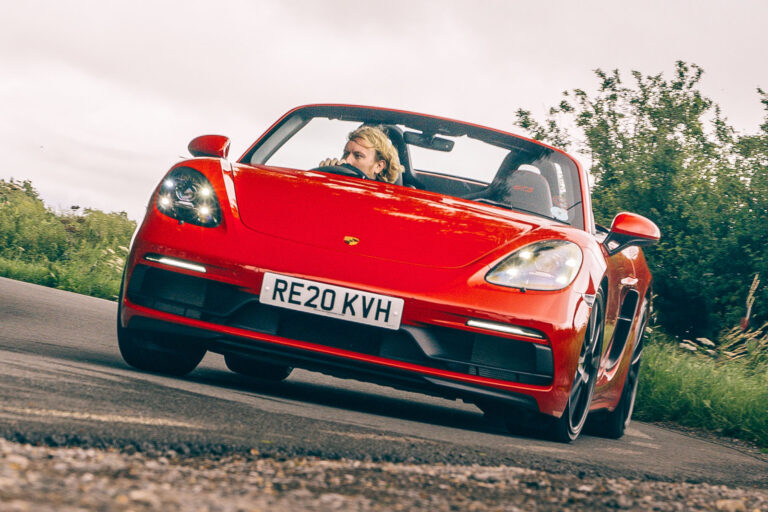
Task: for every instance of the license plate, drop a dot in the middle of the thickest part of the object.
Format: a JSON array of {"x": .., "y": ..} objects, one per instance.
[{"x": 333, "y": 301}]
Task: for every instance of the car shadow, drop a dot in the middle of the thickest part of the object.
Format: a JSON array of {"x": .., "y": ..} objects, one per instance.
[
  {"x": 438, "y": 411},
  {"x": 318, "y": 393},
  {"x": 415, "y": 407},
  {"x": 362, "y": 401}
]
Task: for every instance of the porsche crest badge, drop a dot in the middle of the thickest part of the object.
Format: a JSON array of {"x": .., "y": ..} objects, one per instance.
[{"x": 351, "y": 240}]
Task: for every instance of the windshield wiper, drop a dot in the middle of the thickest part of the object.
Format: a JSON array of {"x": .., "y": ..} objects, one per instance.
[{"x": 572, "y": 206}]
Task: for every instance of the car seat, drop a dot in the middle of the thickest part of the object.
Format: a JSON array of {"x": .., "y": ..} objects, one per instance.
[{"x": 518, "y": 186}]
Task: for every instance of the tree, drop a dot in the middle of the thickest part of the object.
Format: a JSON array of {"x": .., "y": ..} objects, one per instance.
[{"x": 658, "y": 147}]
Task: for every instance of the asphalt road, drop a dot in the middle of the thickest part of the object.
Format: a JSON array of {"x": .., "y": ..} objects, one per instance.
[{"x": 63, "y": 382}]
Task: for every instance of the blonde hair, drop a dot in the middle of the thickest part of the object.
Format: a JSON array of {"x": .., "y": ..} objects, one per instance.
[{"x": 375, "y": 138}]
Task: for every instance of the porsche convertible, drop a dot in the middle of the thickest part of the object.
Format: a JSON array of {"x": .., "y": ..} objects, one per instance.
[{"x": 478, "y": 274}]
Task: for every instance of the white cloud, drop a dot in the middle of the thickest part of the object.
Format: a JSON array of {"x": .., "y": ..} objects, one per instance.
[{"x": 98, "y": 99}]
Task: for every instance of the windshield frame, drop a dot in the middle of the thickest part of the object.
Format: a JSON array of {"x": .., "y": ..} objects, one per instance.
[{"x": 288, "y": 125}]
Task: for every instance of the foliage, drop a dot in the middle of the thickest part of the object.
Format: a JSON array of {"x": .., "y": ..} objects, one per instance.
[
  {"x": 725, "y": 396},
  {"x": 658, "y": 147},
  {"x": 748, "y": 348},
  {"x": 83, "y": 253}
]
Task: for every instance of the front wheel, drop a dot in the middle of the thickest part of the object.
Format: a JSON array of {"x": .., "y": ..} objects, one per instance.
[
  {"x": 157, "y": 352},
  {"x": 567, "y": 427},
  {"x": 613, "y": 424}
]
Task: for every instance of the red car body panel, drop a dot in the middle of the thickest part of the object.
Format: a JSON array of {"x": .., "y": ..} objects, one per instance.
[{"x": 431, "y": 250}]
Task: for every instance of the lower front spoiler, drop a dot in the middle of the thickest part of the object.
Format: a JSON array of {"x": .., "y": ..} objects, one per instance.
[{"x": 340, "y": 366}]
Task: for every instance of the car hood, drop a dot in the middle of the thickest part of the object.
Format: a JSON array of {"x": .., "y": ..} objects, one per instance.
[{"x": 379, "y": 220}]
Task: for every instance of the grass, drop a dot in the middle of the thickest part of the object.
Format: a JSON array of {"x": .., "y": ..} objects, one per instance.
[
  {"x": 77, "y": 250},
  {"x": 100, "y": 278},
  {"x": 724, "y": 396},
  {"x": 33, "y": 272}
]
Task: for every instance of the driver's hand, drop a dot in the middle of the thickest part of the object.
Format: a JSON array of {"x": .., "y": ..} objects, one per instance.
[{"x": 330, "y": 161}]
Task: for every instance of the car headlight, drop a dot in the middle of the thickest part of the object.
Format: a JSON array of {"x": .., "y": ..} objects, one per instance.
[
  {"x": 547, "y": 265},
  {"x": 188, "y": 196}
]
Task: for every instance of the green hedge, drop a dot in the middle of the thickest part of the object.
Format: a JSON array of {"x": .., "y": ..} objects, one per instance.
[
  {"x": 83, "y": 252},
  {"x": 723, "y": 396}
]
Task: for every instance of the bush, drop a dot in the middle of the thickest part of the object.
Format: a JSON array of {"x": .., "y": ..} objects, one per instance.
[
  {"x": 657, "y": 146},
  {"x": 81, "y": 252},
  {"x": 724, "y": 396}
]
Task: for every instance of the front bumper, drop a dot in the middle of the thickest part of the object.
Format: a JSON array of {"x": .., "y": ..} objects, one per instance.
[
  {"x": 453, "y": 363},
  {"x": 435, "y": 347},
  {"x": 336, "y": 362}
]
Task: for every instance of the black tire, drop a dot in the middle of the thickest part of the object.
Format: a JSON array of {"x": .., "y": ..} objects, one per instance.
[
  {"x": 568, "y": 427},
  {"x": 257, "y": 369},
  {"x": 613, "y": 424},
  {"x": 157, "y": 352}
]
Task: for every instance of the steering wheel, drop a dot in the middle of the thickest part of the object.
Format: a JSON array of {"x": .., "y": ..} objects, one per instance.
[{"x": 344, "y": 170}]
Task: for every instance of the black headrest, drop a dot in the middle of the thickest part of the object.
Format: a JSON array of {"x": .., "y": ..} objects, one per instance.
[
  {"x": 527, "y": 190},
  {"x": 524, "y": 188}
]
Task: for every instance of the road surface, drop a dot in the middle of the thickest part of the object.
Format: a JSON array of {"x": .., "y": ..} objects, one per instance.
[{"x": 63, "y": 382}]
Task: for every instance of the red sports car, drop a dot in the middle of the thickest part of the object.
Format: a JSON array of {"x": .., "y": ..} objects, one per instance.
[{"x": 474, "y": 273}]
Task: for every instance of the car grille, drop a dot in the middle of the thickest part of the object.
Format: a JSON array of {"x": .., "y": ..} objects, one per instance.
[{"x": 436, "y": 347}]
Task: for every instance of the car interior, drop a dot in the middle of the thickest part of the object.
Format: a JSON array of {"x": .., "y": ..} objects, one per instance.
[{"x": 523, "y": 181}]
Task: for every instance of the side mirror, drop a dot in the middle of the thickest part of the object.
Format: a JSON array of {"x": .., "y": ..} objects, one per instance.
[
  {"x": 630, "y": 229},
  {"x": 210, "y": 145}
]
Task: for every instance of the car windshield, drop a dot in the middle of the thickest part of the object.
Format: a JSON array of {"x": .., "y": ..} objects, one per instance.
[{"x": 447, "y": 157}]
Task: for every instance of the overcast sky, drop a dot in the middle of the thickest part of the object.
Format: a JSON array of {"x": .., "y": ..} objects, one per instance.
[{"x": 99, "y": 98}]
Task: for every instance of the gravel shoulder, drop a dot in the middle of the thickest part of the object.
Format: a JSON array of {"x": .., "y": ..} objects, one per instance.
[{"x": 67, "y": 479}]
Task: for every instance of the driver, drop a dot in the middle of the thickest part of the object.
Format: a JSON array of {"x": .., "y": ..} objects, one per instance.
[{"x": 370, "y": 150}]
